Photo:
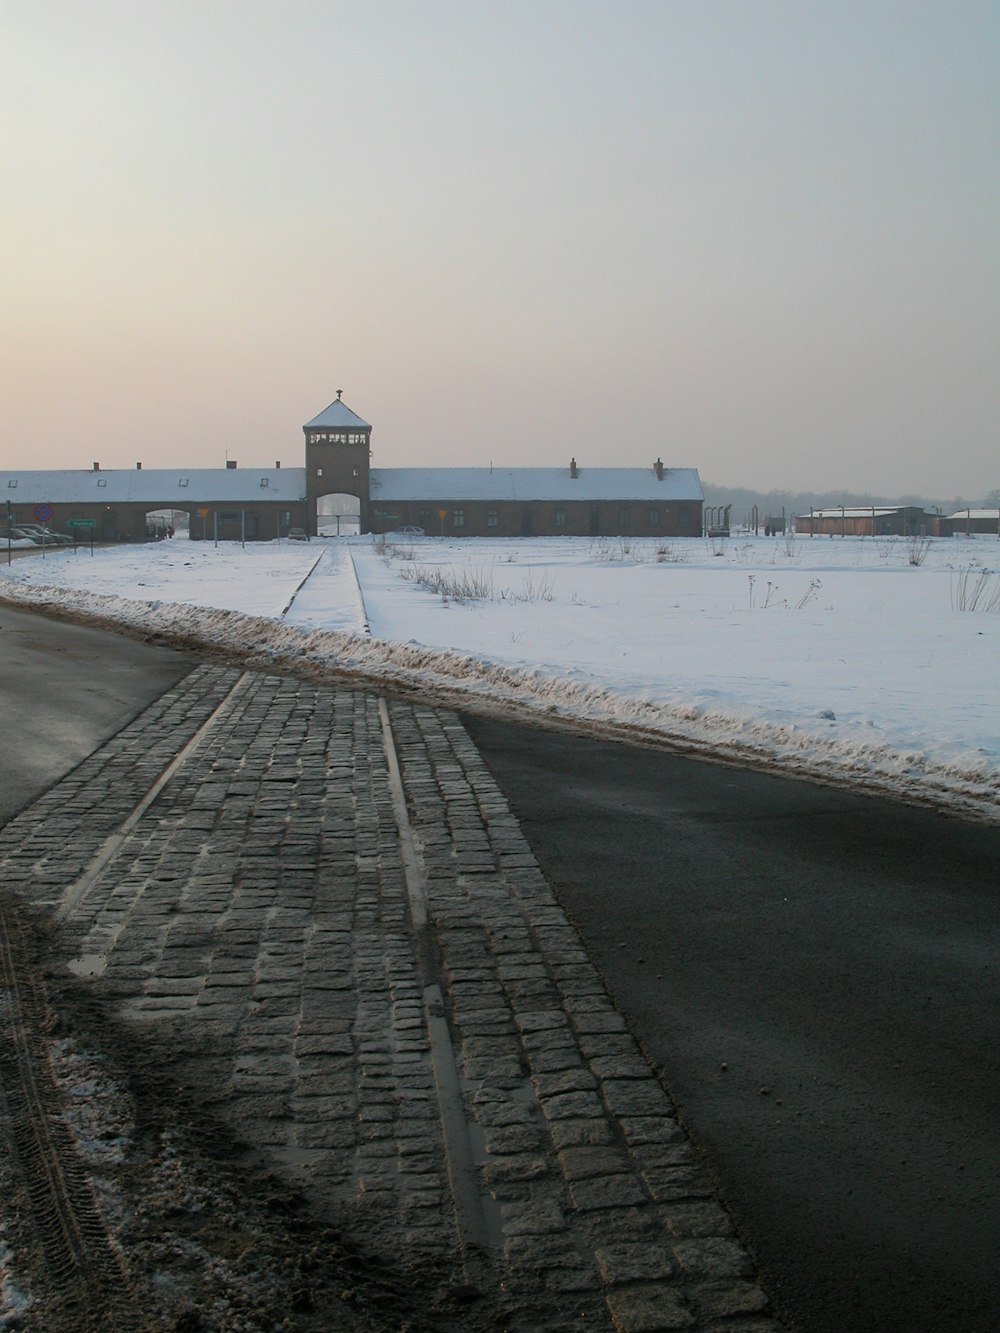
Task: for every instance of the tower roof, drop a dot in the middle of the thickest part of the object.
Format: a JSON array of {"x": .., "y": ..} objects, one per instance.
[{"x": 337, "y": 414}]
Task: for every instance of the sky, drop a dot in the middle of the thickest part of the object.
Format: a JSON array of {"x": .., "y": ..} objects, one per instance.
[{"x": 756, "y": 238}]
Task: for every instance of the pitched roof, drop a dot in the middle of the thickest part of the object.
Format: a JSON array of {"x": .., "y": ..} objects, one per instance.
[
  {"x": 338, "y": 414},
  {"x": 857, "y": 511},
  {"x": 178, "y": 488},
  {"x": 534, "y": 483}
]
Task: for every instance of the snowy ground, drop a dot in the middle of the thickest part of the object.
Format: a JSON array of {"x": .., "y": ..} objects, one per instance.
[{"x": 870, "y": 661}]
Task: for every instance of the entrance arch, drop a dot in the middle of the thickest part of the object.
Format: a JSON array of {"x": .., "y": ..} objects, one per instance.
[
  {"x": 338, "y": 514},
  {"x": 162, "y": 523}
]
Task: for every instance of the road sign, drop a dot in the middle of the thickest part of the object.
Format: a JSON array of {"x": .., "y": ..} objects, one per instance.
[
  {"x": 81, "y": 523},
  {"x": 43, "y": 513}
]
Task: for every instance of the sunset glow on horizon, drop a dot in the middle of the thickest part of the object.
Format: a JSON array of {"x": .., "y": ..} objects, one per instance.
[{"x": 755, "y": 239}]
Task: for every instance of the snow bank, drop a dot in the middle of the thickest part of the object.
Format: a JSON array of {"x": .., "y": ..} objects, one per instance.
[{"x": 841, "y": 661}]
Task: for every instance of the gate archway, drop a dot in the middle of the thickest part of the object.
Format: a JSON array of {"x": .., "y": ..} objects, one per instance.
[
  {"x": 162, "y": 523},
  {"x": 338, "y": 514}
]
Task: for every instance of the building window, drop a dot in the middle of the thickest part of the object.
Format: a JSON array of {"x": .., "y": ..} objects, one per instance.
[
  {"x": 424, "y": 518},
  {"x": 560, "y": 518},
  {"x": 356, "y": 472},
  {"x": 493, "y": 518},
  {"x": 264, "y": 481},
  {"x": 458, "y": 518},
  {"x": 319, "y": 472},
  {"x": 12, "y": 483},
  {"x": 654, "y": 518},
  {"x": 182, "y": 481},
  {"x": 624, "y": 517},
  {"x": 102, "y": 482}
]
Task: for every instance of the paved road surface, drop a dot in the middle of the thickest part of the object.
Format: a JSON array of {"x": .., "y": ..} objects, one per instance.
[
  {"x": 816, "y": 975},
  {"x": 833, "y": 954},
  {"x": 63, "y": 689},
  {"x": 302, "y": 958}
]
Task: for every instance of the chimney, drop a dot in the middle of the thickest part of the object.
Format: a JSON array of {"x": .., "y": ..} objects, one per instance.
[
  {"x": 574, "y": 471},
  {"x": 277, "y": 462},
  {"x": 138, "y": 467},
  {"x": 658, "y": 469},
  {"x": 230, "y": 463},
  {"x": 97, "y": 467}
]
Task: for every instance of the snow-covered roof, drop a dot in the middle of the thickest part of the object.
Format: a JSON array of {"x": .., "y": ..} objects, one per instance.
[
  {"x": 165, "y": 487},
  {"x": 338, "y": 414},
  {"x": 976, "y": 513},
  {"x": 534, "y": 483},
  {"x": 857, "y": 511}
]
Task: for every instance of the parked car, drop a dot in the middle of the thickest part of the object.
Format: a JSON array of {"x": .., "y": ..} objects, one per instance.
[
  {"x": 44, "y": 536},
  {"x": 298, "y": 535},
  {"x": 15, "y": 537},
  {"x": 23, "y": 534},
  {"x": 409, "y": 531}
]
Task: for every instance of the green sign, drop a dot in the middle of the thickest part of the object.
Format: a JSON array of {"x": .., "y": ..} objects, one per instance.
[{"x": 82, "y": 523}]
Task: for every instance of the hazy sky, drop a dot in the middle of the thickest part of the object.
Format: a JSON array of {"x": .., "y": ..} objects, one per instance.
[{"x": 756, "y": 238}]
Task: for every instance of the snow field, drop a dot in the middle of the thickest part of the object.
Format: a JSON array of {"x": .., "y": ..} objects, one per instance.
[{"x": 844, "y": 658}]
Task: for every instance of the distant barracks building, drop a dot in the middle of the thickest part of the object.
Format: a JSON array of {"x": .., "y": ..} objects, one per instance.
[{"x": 260, "y": 504}]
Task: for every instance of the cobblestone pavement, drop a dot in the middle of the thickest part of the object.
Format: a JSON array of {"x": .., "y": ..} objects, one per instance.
[{"x": 374, "y": 986}]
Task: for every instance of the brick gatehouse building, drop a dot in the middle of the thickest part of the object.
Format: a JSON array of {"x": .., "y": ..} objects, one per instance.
[{"x": 260, "y": 504}]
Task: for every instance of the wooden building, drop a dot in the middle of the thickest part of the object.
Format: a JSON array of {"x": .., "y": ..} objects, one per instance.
[
  {"x": 970, "y": 522},
  {"x": 867, "y": 521}
]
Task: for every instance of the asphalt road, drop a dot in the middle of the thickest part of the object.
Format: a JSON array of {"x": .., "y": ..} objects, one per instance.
[
  {"x": 64, "y": 689},
  {"x": 815, "y": 974}
]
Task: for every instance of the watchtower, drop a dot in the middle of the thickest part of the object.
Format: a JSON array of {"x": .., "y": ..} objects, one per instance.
[{"x": 338, "y": 458}]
